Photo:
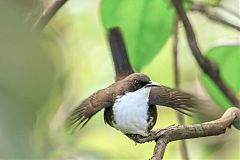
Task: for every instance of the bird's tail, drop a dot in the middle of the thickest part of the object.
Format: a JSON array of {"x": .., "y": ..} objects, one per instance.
[{"x": 122, "y": 65}]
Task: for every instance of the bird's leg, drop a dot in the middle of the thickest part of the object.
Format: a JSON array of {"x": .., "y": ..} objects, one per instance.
[
  {"x": 149, "y": 136},
  {"x": 135, "y": 137},
  {"x": 161, "y": 131},
  {"x": 131, "y": 136},
  {"x": 154, "y": 132}
]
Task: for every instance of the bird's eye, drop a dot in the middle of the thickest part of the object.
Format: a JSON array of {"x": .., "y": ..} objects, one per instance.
[{"x": 137, "y": 83}]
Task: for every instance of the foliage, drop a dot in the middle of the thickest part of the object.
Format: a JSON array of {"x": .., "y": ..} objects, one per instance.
[
  {"x": 146, "y": 26},
  {"x": 43, "y": 76},
  {"x": 227, "y": 57}
]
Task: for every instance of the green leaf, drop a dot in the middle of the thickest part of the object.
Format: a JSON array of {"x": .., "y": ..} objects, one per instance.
[
  {"x": 146, "y": 26},
  {"x": 228, "y": 59}
]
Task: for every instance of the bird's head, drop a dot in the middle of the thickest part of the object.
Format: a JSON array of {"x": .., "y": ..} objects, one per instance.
[{"x": 137, "y": 81}]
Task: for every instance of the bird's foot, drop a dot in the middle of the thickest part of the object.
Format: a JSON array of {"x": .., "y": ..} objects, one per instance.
[
  {"x": 149, "y": 136},
  {"x": 136, "y": 137},
  {"x": 162, "y": 129}
]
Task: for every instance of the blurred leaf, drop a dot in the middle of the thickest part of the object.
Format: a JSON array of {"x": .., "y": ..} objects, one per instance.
[
  {"x": 28, "y": 77},
  {"x": 146, "y": 26},
  {"x": 227, "y": 57}
]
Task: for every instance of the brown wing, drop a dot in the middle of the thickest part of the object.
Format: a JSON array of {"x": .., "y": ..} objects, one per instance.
[
  {"x": 173, "y": 98},
  {"x": 89, "y": 107}
]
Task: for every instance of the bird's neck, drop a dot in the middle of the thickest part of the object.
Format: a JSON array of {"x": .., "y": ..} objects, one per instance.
[{"x": 142, "y": 93}]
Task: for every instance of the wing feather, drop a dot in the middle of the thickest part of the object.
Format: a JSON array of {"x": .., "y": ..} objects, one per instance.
[
  {"x": 174, "y": 98},
  {"x": 87, "y": 109}
]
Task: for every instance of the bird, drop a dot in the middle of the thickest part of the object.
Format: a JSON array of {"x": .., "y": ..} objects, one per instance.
[{"x": 130, "y": 104}]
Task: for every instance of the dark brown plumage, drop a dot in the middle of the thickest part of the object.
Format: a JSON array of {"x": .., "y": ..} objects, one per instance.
[
  {"x": 105, "y": 98},
  {"x": 173, "y": 98}
]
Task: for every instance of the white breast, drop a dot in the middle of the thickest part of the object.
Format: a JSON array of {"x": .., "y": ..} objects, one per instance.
[{"x": 131, "y": 112}]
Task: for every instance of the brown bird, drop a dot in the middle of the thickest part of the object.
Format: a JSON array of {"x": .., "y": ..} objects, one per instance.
[{"x": 130, "y": 104}]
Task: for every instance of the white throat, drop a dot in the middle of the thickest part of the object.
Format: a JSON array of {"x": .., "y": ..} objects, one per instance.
[{"x": 131, "y": 112}]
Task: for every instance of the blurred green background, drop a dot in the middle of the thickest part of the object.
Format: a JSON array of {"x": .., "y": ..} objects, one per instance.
[{"x": 44, "y": 76}]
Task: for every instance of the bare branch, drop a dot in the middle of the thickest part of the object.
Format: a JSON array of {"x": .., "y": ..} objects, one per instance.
[
  {"x": 175, "y": 52},
  {"x": 180, "y": 132},
  {"x": 47, "y": 14},
  {"x": 183, "y": 145},
  {"x": 209, "y": 67},
  {"x": 159, "y": 149},
  {"x": 203, "y": 9}
]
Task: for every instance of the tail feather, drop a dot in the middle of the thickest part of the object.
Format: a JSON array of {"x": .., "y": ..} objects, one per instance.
[{"x": 122, "y": 65}]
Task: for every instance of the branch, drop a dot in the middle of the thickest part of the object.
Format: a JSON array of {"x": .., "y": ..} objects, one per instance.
[
  {"x": 204, "y": 9},
  {"x": 47, "y": 15},
  {"x": 210, "y": 68},
  {"x": 121, "y": 62},
  {"x": 175, "y": 52},
  {"x": 180, "y": 132},
  {"x": 180, "y": 117}
]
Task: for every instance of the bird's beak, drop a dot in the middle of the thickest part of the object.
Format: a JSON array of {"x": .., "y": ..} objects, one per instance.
[{"x": 152, "y": 84}]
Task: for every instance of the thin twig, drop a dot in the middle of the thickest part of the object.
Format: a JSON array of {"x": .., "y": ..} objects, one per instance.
[
  {"x": 183, "y": 145},
  {"x": 159, "y": 149},
  {"x": 204, "y": 9},
  {"x": 175, "y": 52},
  {"x": 47, "y": 14},
  {"x": 209, "y": 67},
  {"x": 180, "y": 132}
]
